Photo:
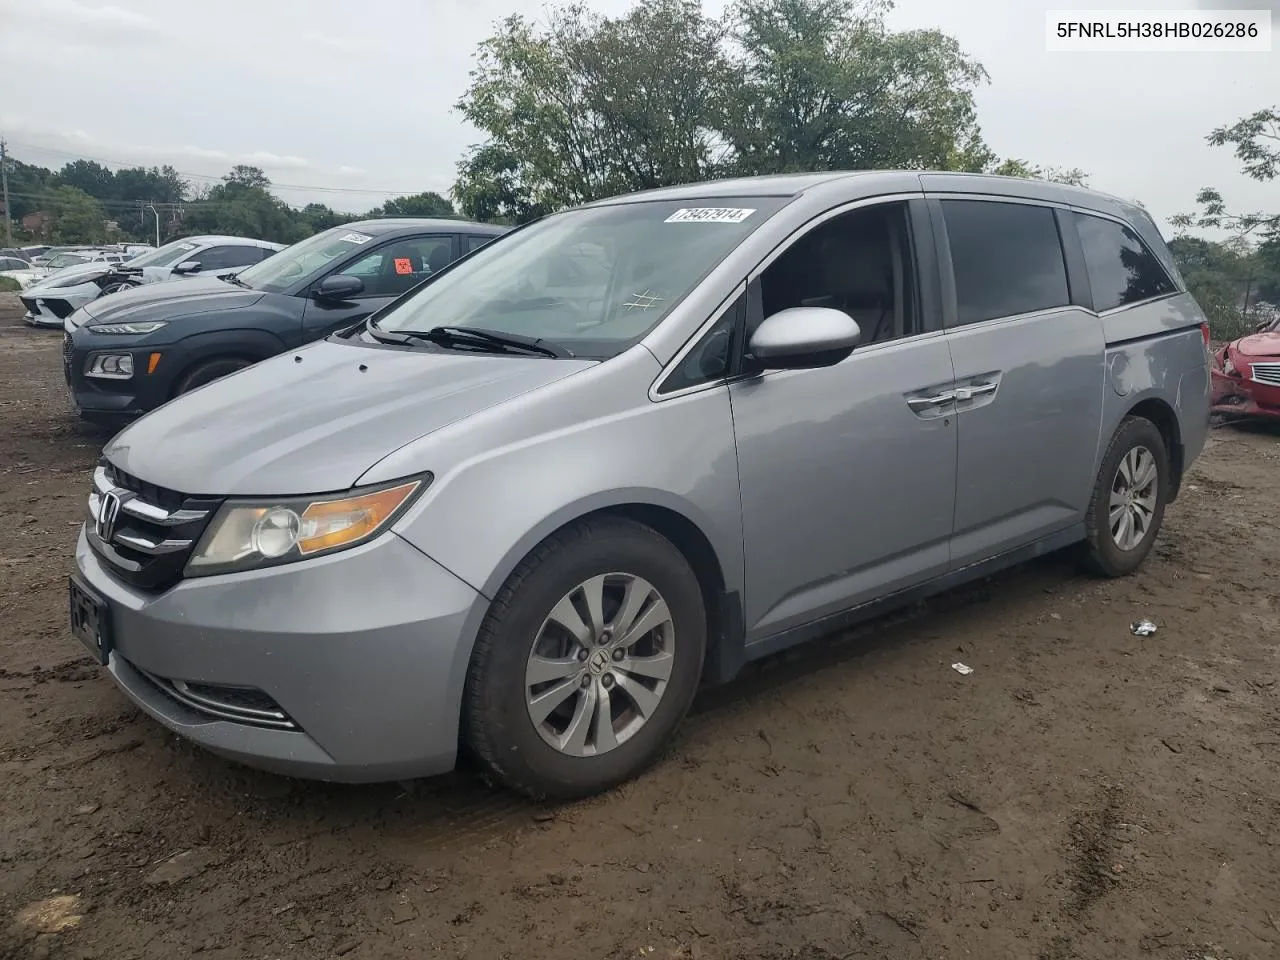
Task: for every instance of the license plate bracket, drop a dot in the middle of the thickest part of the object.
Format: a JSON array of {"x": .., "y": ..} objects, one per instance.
[{"x": 90, "y": 620}]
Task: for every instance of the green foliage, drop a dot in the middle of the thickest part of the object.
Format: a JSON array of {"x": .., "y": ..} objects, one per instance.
[
  {"x": 587, "y": 106},
  {"x": 1256, "y": 143},
  {"x": 1029, "y": 171},
  {"x": 9, "y": 285},
  {"x": 1226, "y": 279},
  {"x": 427, "y": 204},
  {"x": 78, "y": 217},
  {"x": 243, "y": 205},
  {"x": 825, "y": 85}
]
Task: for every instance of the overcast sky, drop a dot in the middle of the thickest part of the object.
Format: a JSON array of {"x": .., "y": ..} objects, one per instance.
[{"x": 357, "y": 98}]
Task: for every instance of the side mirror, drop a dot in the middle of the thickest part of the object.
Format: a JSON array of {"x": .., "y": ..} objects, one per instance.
[
  {"x": 339, "y": 286},
  {"x": 187, "y": 266},
  {"x": 802, "y": 338}
]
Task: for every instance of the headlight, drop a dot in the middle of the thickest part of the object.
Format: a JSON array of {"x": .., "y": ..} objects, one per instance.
[
  {"x": 110, "y": 366},
  {"x": 57, "y": 283},
  {"x": 141, "y": 327},
  {"x": 247, "y": 535}
]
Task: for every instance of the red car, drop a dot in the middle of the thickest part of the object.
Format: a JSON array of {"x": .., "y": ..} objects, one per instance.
[{"x": 1246, "y": 375}]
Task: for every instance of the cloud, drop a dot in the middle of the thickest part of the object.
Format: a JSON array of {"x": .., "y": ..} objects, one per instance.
[
  {"x": 85, "y": 18},
  {"x": 352, "y": 171}
]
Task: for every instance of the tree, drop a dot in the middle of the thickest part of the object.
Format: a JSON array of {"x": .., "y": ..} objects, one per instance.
[
  {"x": 78, "y": 217},
  {"x": 825, "y": 85},
  {"x": 1256, "y": 143},
  {"x": 90, "y": 177},
  {"x": 1226, "y": 279},
  {"x": 318, "y": 217},
  {"x": 419, "y": 205},
  {"x": 154, "y": 185},
  {"x": 247, "y": 176},
  {"x": 489, "y": 188},
  {"x": 590, "y": 106},
  {"x": 1074, "y": 177},
  {"x": 242, "y": 206}
]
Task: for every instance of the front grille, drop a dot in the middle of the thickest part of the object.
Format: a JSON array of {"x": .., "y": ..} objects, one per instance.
[
  {"x": 67, "y": 349},
  {"x": 60, "y": 308},
  {"x": 239, "y": 704},
  {"x": 1268, "y": 373},
  {"x": 148, "y": 532}
]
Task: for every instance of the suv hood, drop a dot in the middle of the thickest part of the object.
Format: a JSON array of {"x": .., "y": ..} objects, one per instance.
[
  {"x": 313, "y": 421},
  {"x": 1260, "y": 344},
  {"x": 165, "y": 301}
]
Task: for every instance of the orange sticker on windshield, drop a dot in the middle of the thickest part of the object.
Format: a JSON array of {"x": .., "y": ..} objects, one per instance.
[{"x": 404, "y": 265}]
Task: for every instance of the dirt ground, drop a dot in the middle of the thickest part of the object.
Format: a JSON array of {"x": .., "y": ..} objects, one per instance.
[{"x": 1083, "y": 793}]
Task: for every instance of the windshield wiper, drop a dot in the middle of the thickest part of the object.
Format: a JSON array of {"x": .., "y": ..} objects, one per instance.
[
  {"x": 488, "y": 340},
  {"x": 232, "y": 278}
]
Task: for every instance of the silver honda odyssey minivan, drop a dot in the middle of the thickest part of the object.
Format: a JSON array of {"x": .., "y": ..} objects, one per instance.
[{"x": 524, "y": 510}]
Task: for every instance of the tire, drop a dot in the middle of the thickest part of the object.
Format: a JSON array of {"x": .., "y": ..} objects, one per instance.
[
  {"x": 1104, "y": 555},
  {"x": 498, "y": 722},
  {"x": 208, "y": 371}
]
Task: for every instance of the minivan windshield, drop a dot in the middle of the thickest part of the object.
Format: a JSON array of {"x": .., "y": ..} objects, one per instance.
[
  {"x": 165, "y": 256},
  {"x": 592, "y": 280},
  {"x": 304, "y": 258}
]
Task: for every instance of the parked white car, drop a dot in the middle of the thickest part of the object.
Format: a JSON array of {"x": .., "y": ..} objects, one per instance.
[
  {"x": 50, "y": 301},
  {"x": 21, "y": 271}
]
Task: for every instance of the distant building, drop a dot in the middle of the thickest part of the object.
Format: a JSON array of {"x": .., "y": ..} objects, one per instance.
[{"x": 38, "y": 224}]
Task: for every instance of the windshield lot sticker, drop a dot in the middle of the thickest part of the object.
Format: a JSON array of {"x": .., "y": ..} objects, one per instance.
[
  {"x": 404, "y": 265},
  {"x": 355, "y": 238},
  {"x": 710, "y": 215}
]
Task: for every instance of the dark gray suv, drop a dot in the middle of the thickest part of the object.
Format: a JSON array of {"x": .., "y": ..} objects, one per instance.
[{"x": 132, "y": 351}]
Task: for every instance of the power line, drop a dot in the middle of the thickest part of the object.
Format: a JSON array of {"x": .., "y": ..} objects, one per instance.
[{"x": 215, "y": 179}]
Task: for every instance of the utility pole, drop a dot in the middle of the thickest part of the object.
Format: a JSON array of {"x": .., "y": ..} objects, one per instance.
[
  {"x": 152, "y": 206},
  {"x": 4, "y": 183}
]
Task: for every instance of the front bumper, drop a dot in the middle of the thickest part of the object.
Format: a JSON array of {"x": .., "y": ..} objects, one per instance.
[
  {"x": 116, "y": 402},
  {"x": 1238, "y": 396},
  {"x": 50, "y": 308},
  {"x": 364, "y": 652}
]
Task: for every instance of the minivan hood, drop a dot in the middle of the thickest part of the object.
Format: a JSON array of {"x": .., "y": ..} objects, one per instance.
[
  {"x": 169, "y": 299},
  {"x": 1260, "y": 344},
  {"x": 314, "y": 420}
]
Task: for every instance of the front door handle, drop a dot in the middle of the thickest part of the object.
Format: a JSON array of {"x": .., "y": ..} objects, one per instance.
[
  {"x": 922, "y": 404},
  {"x": 966, "y": 393}
]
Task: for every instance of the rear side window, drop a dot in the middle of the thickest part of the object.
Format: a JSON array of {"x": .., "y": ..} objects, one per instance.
[
  {"x": 475, "y": 242},
  {"x": 221, "y": 258},
  {"x": 1007, "y": 259},
  {"x": 1121, "y": 268}
]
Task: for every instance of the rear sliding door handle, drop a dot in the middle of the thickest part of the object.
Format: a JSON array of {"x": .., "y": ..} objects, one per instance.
[
  {"x": 923, "y": 404},
  {"x": 973, "y": 390}
]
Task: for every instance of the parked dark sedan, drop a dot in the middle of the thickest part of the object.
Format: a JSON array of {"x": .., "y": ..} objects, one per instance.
[{"x": 129, "y": 353}]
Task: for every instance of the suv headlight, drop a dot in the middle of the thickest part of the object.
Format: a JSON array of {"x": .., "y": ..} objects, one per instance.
[
  {"x": 248, "y": 534},
  {"x": 138, "y": 328}
]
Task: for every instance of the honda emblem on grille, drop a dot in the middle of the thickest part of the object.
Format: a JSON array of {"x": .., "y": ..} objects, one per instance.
[{"x": 108, "y": 514}]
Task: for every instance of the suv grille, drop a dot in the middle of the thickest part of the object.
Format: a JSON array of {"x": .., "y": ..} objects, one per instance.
[
  {"x": 66, "y": 349},
  {"x": 144, "y": 533}
]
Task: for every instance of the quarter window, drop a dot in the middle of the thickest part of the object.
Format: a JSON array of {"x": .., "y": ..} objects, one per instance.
[
  {"x": 1121, "y": 269},
  {"x": 1006, "y": 257}
]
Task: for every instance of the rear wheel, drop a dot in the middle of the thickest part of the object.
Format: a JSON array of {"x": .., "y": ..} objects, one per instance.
[
  {"x": 1129, "y": 498},
  {"x": 587, "y": 662},
  {"x": 208, "y": 371}
]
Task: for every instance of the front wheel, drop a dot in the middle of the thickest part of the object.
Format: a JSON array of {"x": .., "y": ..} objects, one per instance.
[
  {"x": 587, "y": 661},
  {"x": 1128, "y": 499},
  {"x": 209, "y": 371}
]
